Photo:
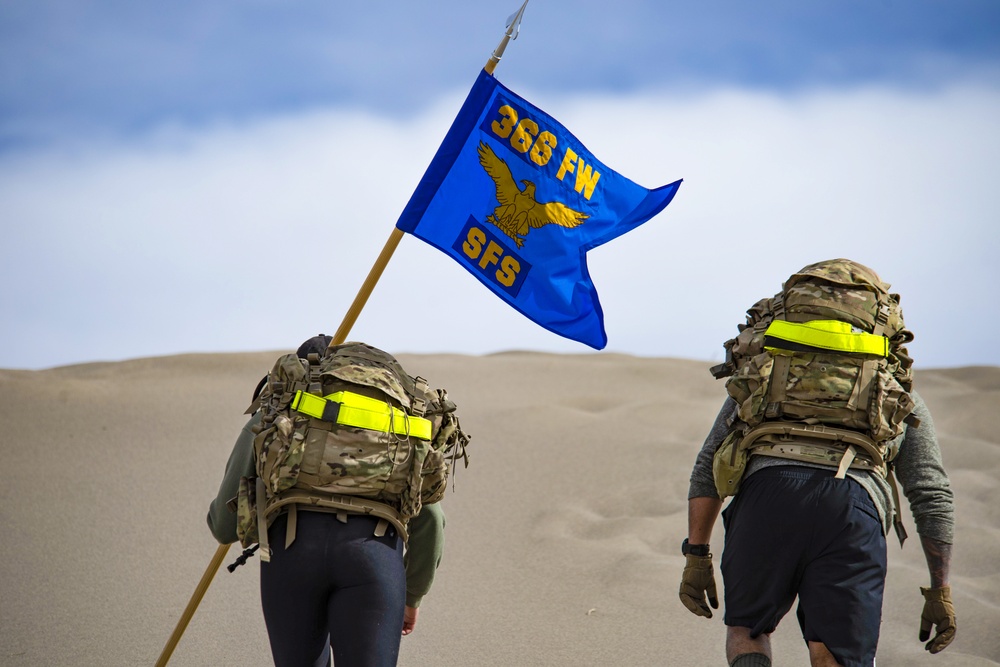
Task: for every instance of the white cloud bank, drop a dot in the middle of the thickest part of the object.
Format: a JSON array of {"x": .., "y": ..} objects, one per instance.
[{"x": 254, "y": 237}]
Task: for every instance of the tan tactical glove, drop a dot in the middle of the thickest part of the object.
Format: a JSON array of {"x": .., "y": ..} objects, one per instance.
[
  {"x": 940, "y": 613},
  {"x": 697, "y": 580}
]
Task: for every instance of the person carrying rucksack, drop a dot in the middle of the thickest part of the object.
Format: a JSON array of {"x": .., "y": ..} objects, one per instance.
[
  {"x": 820, "y": 424},
  {"x": 335, "y": 481}
]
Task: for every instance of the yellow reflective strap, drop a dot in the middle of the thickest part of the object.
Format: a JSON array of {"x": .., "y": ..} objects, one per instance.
[
  {"x": 829, "y": 335},
  {"x": 309, "y": 404},
  {"x": 350, "y": 399},
  {"x": 364, "y": 412},
  {"x": 376, "y": 415}
]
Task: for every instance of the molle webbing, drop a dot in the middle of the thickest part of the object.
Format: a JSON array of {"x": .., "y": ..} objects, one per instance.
[
  {"x": 823, "y": 335},
  {"x": 818, "y": 444},
  {"x": 812, "y": 453},
  {"x": 349, "y": 409}
]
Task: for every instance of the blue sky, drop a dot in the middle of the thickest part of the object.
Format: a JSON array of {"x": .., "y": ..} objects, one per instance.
[
  {"x": 129, "y": 67},
  {"x": 170, "y": 173}
]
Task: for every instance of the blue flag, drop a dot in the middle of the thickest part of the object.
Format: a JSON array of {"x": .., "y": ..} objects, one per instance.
[{"x": 517, "y": 200}]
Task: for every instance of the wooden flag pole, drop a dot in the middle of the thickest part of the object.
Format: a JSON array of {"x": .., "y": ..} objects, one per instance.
[
  {"x": 366, "y": 287},
  {"x": 513, "y": 23},
  {"x": 192, "y": 605}
]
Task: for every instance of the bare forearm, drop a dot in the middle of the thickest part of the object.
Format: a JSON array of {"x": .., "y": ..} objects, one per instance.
[
  {"x": 702, "y": 513},
  {"x": 938, "y": 555}
]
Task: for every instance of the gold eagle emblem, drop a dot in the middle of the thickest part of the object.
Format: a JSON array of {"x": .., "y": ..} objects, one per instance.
[{"x": 518, "y": 212}]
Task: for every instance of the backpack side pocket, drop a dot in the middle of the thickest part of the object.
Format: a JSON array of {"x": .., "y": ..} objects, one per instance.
[
  {"x": 729, "y": 464},
  {"x": 246, "y": 513}
]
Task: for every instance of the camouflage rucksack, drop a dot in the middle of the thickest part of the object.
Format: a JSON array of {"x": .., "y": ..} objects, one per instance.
[
  {"x": 820, "y": 373},
  {"x": 348, "y": 432}
]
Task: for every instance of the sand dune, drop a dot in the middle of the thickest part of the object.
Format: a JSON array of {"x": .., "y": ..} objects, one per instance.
[{"x": 563, "y": 533}]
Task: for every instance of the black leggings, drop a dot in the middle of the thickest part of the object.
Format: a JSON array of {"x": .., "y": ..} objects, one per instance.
[{"x": 337, "y": 585}]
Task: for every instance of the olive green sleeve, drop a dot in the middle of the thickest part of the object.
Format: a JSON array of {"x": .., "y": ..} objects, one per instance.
[
  {"x": 221, "y": 520},
  {"x": 423, "y": 552}
]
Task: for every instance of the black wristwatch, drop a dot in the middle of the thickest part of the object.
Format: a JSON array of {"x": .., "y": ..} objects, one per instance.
[{"x": 694, "y": 549}]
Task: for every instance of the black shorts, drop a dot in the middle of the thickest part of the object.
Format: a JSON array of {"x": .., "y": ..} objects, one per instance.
[{"x": 798, "y": 531}]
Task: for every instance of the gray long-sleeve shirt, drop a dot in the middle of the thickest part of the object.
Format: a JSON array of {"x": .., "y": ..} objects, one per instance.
[{"x": 918, "y": 469}]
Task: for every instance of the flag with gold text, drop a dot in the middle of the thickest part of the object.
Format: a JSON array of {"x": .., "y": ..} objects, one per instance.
[{"x": 518, "y": 201}]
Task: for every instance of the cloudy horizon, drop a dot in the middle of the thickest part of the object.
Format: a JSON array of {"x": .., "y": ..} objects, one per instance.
[{"x": 147, "y": 212}]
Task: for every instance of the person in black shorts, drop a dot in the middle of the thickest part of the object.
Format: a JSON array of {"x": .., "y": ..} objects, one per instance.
[
  {"x": 833, "y": 558},
  {"x": 796, "y": 530},
  {"x": 814, "y": 530}
]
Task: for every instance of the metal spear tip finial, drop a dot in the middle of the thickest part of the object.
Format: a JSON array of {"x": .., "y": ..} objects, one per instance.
[
  {"x": 513, "y": 25},
  {"x": 512, "y": 29}
]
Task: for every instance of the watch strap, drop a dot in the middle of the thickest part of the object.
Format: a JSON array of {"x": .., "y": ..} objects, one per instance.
[{"x": 695, "y": 549}]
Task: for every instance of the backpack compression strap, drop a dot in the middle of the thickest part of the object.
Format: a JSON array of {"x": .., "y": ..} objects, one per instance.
[
  {"x": 265, "y": 547},
  {"x": 349, "y": 409}
]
